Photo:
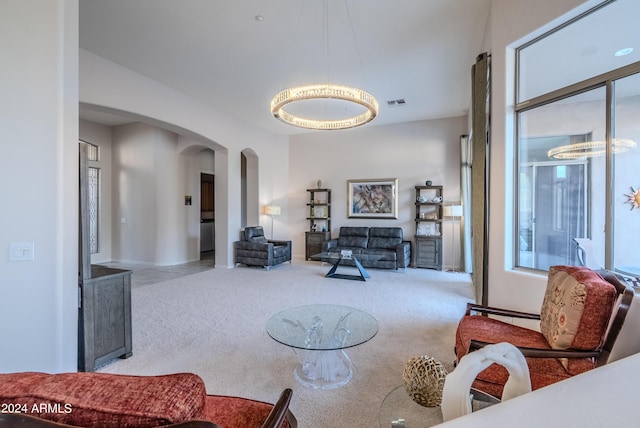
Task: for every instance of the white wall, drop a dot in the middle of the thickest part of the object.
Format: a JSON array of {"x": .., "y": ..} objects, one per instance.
[
  {"x": 412, "y": 152},
  {"x": 39, "y": 184},
  {"x": 252, "y": 187},
  {"x": 513, "y": 22},
  {"x": 145, "y": 179}
]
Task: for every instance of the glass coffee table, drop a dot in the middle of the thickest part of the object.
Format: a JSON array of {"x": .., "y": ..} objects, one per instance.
[
  {"x": 319, "y": 334},
  {"x": 336, "y": 258}
]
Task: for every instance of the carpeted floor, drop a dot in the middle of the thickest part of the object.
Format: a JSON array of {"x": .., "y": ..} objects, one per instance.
[{"x": 213, "y": 323}]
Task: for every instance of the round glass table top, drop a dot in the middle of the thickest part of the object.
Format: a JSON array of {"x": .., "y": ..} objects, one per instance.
[{"x": 322, "y": 327}]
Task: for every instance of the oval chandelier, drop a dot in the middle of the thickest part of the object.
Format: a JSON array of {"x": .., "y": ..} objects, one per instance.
[
  {"x": 590, "y": 149},
  {"x": 320, "y": 91},
  {"x": 323, "y": 91}
]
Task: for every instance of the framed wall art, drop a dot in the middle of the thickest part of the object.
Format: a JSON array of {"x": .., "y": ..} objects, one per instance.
[{"x": 372, "y": 198}]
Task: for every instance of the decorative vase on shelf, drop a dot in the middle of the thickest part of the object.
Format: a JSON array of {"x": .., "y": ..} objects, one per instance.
[
  {"x": 428, "y": 183},
  {"x": 319, "y": 184}
]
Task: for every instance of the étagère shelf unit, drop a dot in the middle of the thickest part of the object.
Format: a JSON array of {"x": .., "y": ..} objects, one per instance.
[
  {"x": 319, "y": 217},
  {"x": 428, "y": 238}
]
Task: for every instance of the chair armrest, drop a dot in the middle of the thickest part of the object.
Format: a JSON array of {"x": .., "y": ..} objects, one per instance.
[
  {"x": 331, "y": 243},
  {"x": 472, "y": 307},
  {"x": 541, "y": 353},
  {"x": 280, "y": 412},
  {"x": 403, "y": 254}
]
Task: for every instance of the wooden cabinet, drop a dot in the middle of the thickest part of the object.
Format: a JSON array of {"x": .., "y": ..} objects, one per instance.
[
  {"x": 428, "y": 252},
  {"x": 319, "y": 217},
  {"x": 104, "y": 318},
  {"x": 313, "y": 242},
  {"x": 428, "y": 238}
]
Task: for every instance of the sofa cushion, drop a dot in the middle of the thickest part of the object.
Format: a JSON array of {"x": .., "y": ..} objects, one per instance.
[
  {"x": 258, "y": 240},
  {"x": 107, "y": 400},
  {"x": 385, "y": 237},
  {"x": 384, "y": 254},
  {"x": 353, "y": 237},
  {"x": 251, "y": 232},
  {"x": 235, "y": 412},
  {"x": 543, "y": 371}
]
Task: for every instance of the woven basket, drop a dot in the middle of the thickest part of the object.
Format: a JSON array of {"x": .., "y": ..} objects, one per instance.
[{"x": 424, "y": 380}]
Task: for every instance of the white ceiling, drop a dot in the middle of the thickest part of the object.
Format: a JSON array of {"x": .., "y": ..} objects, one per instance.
[
  {"x": 217, "y": 51},
  {"x": 420, "y": 51}
]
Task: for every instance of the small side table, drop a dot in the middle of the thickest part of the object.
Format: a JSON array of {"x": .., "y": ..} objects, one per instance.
[
  {"x": 398, "y": 410},
  {"x": 398, "y": 406}
]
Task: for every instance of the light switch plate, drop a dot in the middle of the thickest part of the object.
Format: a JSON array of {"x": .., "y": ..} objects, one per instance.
[{"x": 21, "y": 251}]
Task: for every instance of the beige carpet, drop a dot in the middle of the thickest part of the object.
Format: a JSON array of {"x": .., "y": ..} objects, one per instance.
[{"x": 213, "y": 324}]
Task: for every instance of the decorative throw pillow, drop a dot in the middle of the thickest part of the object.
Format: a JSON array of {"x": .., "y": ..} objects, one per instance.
[
  {"x": 576, "y": 308},
  {"x": 258, "y": 239}
]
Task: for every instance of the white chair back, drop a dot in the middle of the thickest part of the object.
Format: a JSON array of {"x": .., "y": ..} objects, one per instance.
[{"x": 586, "y": 254}]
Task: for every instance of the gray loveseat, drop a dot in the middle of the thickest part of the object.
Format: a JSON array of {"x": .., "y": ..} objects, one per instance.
[{"x": 385, "y": 241}]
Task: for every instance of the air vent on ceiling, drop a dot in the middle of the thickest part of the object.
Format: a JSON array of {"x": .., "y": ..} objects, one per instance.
[{"x": 396, "y": 103}]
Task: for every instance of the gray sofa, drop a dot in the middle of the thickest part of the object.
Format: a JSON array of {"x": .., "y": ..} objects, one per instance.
[
  {"x": 253, "y": 249},
  {"x": 385, "y": 241}
]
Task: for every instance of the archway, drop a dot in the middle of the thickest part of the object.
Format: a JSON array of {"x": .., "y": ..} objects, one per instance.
[{"x": 192, "y": 145}]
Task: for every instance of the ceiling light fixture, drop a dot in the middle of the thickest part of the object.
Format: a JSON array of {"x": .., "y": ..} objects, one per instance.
[
  {"x": 590, "y": 149},
  {"x": 323, "y": 91},
  {"x": 623, "y": 52}
]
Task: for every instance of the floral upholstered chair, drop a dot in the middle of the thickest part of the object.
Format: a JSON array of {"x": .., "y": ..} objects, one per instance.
[{"x": 582, "y": 313}]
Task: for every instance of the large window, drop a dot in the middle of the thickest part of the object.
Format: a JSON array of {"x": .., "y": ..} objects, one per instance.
[{"x": 578, "y": 104}]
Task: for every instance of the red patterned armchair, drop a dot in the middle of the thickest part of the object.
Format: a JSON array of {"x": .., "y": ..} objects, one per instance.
[
  {"x": 34, "y": 399},
  {"x": 582, "y": 313}
]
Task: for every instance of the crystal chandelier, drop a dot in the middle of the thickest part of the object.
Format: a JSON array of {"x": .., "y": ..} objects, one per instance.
[
  {"x": 319, "y": 91},
  {"x": 322, "y": 91},
  {"x": 590, "y": 149}
]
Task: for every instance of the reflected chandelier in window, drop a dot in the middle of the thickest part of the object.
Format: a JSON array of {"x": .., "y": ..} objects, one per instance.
[{"x": 590, "y": 149}]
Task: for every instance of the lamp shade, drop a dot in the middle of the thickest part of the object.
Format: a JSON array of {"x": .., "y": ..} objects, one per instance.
[{"x": 272, "y": 210}]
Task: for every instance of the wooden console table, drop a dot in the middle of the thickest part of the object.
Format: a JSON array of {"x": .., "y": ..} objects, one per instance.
[{"x": 104, "y": 317}]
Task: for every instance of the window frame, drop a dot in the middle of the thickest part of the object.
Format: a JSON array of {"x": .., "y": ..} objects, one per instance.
[{"x": 604, "y": 80}]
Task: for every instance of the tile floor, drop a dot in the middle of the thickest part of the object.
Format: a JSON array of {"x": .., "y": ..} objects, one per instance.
[{"x": 148, "y": 274}]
